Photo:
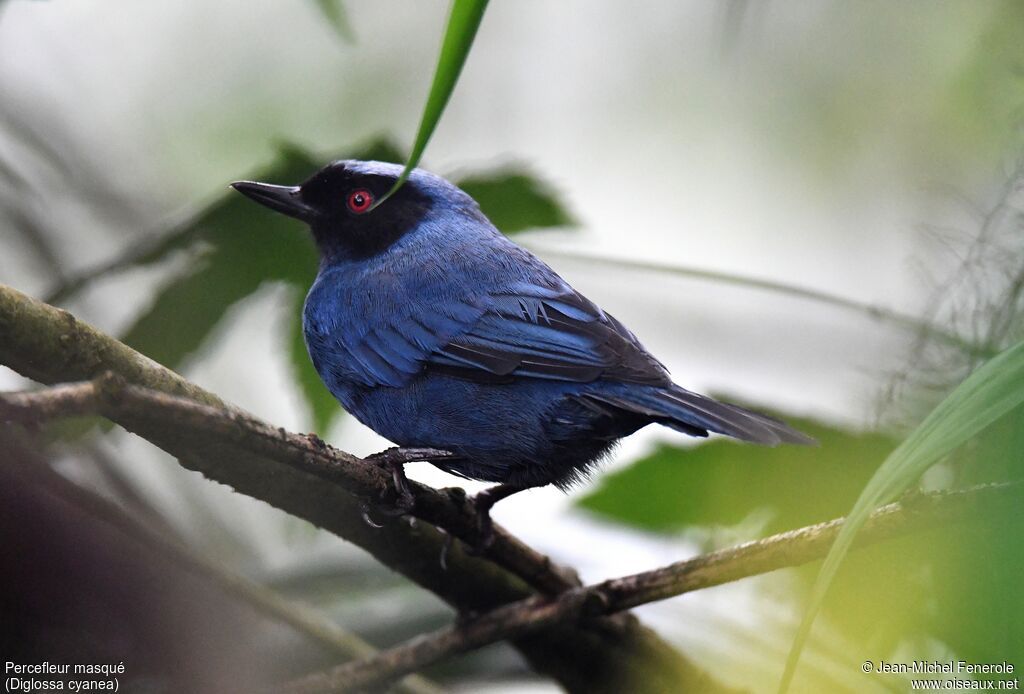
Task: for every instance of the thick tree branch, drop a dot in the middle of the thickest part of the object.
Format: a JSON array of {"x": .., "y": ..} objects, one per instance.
[
  {"x": 615, "y": 654},
  {"x": 914, "y": 513},
  {"x": 302, "y": 619},
  {"x": 110, "y": 396}
]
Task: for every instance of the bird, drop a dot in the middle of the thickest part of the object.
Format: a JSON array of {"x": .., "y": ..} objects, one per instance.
[{"x": 437, "y": 331}]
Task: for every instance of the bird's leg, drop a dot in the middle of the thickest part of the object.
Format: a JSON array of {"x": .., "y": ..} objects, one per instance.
[{"x": 483, "y": 502}]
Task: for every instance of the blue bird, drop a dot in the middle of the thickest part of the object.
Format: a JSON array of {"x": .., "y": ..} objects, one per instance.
[{"x": 435, "y": 330}]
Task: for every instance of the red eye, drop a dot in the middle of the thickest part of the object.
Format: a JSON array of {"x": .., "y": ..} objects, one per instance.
[{"x": 359, "y": 201}]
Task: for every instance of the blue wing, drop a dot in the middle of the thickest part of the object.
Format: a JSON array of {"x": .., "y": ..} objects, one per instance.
[
  {"x": 539, "y": 328},
  {"x": 548, "y": 332}
]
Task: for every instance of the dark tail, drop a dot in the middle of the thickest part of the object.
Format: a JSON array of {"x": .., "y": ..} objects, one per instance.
[{"x": 696, "y": 415}]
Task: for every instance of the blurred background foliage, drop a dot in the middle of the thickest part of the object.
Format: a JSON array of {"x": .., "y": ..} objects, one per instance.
[{"x": 872, "y": 151}]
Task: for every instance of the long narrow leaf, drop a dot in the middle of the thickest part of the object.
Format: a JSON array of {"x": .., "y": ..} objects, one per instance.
[
  {"x": 986, "y": 395},
  {"x": 463, "y": 22}
]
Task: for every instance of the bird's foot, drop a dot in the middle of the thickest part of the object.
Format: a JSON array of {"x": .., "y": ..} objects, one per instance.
[
  {"x": 404, "y": 500},
  {"x": 393, "y": 460}
]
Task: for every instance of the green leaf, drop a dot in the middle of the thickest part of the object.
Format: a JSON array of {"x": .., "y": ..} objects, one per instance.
[
  {"x": 335, "y": 14},
  {"x": 463, "y": 22},
  {"x": 985, "y": 396},
  {"x": 723, "y": 482},
  {"x": 515, "y": 200},
  {"x": 246, "y": 246}
]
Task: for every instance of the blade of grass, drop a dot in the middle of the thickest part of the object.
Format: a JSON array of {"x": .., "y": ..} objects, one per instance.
[
  {"x": 986, "y": 395},
  {"x": 463, "y": 21}
]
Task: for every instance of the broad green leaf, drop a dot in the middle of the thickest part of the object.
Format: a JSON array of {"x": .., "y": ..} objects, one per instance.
[
  {"x": 984, "y": 397},
  {"x": 246, "y": 246},
  {"x": 722, "y": 482},
  {"x": 463, "y": 21},
  {"x": 335, "y": 14},
  {"x": 515, "y": 200}
]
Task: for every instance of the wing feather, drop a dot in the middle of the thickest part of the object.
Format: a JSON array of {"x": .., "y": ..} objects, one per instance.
[
  {"x": 542, "y": 329},
  {"x": 536, "y": 333}
]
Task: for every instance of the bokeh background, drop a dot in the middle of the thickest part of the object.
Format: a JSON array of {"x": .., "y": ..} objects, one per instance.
[{"x": 810, "y": 207}]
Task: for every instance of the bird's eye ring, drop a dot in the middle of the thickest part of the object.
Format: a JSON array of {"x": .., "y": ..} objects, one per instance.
[{"x": 360, "y": 200}]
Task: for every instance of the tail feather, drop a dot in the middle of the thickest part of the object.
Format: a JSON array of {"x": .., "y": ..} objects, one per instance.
[{"x": 681, "y": 409}]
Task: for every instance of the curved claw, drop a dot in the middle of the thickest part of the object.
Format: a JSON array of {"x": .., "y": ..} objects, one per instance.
[
  {"x": 445, "y": 548},
  {"x": 365, "y": 513}
]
